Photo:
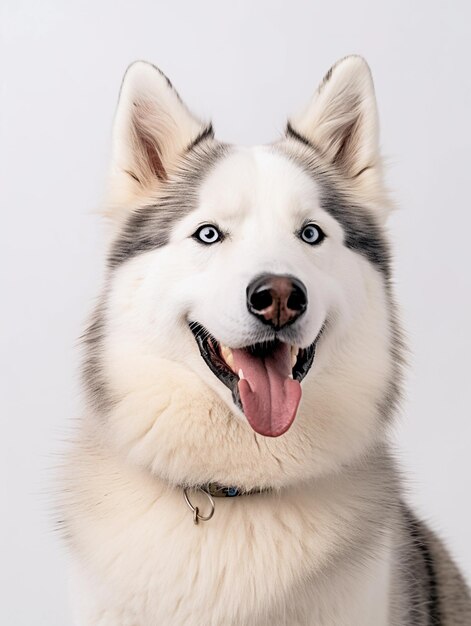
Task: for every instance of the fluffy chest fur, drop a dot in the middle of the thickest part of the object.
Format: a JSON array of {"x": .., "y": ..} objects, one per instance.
[{"x": 306, "y": 556}]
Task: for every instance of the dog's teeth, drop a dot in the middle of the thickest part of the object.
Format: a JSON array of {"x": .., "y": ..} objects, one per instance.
[
  {"x": 294, "y": 355},
  {"x": 241, "y": 375},
  {"x": 226, "y": 354}
]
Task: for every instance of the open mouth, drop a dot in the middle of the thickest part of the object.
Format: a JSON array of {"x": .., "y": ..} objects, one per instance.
[{"x": 264, "y": 378}]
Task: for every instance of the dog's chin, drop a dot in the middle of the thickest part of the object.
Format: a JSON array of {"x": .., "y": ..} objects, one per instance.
[{"x": 263, "y": 378}]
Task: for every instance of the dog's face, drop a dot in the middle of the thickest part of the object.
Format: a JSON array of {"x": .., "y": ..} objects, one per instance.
[{"x": 261, "y": 273}]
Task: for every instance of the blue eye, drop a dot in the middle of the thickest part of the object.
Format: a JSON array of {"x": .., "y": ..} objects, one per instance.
[
  {"x": 312, "y": 234},
  {"x": 208, "y": 234}
]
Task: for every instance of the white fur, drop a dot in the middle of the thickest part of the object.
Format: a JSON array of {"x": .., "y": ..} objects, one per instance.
[
  {"x": 258, "y": 562},
  {"x": 263, "y": 559}
]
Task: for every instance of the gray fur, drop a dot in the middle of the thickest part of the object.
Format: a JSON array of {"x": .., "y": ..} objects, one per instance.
[
  {"x": 362, "y": 232},
  {"x": 429, "y": 589},
  {"x": 149, "y": 227},
  {"x": 93, "y": 379}
]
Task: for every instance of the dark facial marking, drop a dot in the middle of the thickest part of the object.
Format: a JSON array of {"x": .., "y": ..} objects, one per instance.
[
  {"x": 149, "y": 227},
  {"x": 362, "y": 232}
]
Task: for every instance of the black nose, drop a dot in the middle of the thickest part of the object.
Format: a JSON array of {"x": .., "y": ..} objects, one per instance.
[{"x": 276, "y": 300}]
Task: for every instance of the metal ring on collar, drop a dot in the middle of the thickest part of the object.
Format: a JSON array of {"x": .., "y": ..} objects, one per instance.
[{"x": 197, "y": 517}]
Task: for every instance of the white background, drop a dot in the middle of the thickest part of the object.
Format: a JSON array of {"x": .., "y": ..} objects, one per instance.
[{"x": 247, "y": 64}]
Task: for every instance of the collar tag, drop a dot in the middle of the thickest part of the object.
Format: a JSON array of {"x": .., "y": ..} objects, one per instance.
[{"x": 219, "y": 491}]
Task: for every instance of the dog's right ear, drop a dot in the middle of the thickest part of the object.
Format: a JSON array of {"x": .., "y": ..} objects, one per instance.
[
  {"x": 152, "y": 129},
  {"x": 341, "y": 123}
]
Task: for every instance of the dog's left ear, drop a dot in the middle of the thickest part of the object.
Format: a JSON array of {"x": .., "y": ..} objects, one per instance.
[
  {"x": 341, "y": 122},
  {"x": 152, "y": 129}
]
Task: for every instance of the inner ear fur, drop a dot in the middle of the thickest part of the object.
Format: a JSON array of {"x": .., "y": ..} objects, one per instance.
[{"x": 152, "y": 129}]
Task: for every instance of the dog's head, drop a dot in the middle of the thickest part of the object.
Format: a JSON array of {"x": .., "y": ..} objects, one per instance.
[{"x": 248, "y": 288}]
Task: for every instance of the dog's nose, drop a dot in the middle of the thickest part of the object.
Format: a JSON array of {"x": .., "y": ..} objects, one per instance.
[{"x": 276, "y": 300}]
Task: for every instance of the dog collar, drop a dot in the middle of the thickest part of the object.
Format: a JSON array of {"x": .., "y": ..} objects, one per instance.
[{"x": 214, "y": 490}]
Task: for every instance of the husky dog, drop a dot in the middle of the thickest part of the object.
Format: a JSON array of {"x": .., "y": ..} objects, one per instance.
[{"x": 246, "y": 345}]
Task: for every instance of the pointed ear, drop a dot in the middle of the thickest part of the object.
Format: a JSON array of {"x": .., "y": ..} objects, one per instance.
[
  {"x": 341, "y": 122},
  {"x": 152, "y": 129}
]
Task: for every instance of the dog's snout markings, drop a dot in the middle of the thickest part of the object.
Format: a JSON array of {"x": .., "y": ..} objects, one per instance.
[{"x": 276, "y": 300}]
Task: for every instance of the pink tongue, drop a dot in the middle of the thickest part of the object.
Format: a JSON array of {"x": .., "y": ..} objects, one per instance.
[{"x": 269, "y": 397}]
